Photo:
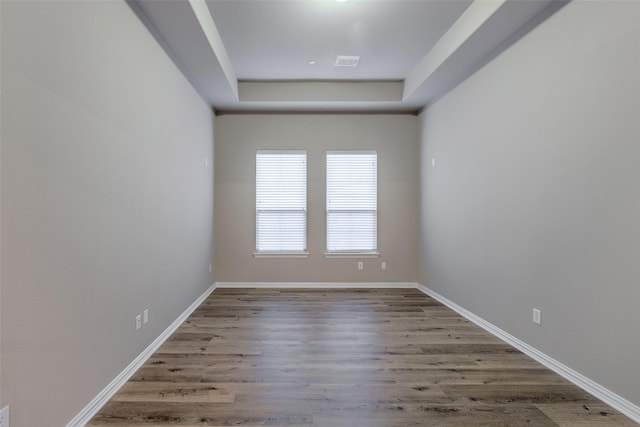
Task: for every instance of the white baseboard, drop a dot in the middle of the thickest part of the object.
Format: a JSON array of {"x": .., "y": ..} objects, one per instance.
[
  {"x": 107, "y": 393},
  {"x": 317, "y": 285},
  {"x": 617, "y": 402}
]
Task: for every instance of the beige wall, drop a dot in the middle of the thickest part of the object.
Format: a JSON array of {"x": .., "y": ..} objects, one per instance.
[
  {"x": 534, "y": 198},
  {"x": 106, "y": 200},
  {"x": 237, "y": 139}
]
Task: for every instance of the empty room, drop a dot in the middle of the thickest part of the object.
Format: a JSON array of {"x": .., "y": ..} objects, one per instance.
[{"x": 319, "y": 213}]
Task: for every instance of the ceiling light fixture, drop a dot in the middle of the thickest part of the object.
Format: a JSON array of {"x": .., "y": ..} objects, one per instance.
[
  {"x": 312, "y": 62},
  {"x": 340, "y": 1}
]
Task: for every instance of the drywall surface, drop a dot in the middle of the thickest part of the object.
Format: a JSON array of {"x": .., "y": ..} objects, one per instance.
[
  {"x": 1, "y": 401},
  {"x": 394, "y": 137},
  {"x": 533, "y": 201},
  {"x": 106, "y": 200}
]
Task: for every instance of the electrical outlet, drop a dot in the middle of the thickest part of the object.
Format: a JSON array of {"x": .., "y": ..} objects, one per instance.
[
  {"x": 537, "y": 316},
  {"x": 145, "y": 316},
  {"x": 138, "y": 321},
  {"x": 383, "y": 265},
  {"x": 209, "y": 268},
  {"x": 360, "y": 265},
  {"x": 4, "y": 416}
]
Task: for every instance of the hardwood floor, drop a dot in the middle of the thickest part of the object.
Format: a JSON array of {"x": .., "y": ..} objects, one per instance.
[{"x": 328, "y": 357}]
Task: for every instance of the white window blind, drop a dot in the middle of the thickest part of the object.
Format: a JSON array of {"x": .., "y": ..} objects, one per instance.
[
  {"x": 281, "y": 201},
  {"x": 352, "y": 215}
]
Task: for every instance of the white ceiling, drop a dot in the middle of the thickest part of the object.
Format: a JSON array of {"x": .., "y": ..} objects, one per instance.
[
  {"x": 275, "y": 39},
  {"x": 253, "y": 55}
]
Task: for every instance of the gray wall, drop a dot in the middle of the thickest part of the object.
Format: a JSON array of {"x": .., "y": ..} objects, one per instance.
[
  {"x": 1, "y": 274},
  {"x": 395, "y": 137},
  {"x": 534, "y": 201},
  {"x": 106, "y": 200}
]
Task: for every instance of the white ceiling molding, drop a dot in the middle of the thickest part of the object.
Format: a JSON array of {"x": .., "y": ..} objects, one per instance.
[
  {"x": 467, "y": 24},
  {"x": 473, "y": 36},
  {"x": 504, "y": 27},
  {"x": 201, "y": 10},
  {"x": 324, "y": 91}
]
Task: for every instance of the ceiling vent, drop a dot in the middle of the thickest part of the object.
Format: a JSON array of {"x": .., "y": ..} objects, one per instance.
[{"x": 347, "y": 61}]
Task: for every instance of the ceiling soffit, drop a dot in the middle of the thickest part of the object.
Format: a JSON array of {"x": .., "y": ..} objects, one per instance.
[{"x": 188, "y": 31}]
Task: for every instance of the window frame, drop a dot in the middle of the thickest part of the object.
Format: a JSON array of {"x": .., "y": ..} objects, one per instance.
[
  {"x": 285, "y": 253},
  {"x": 345, "y": 253}
]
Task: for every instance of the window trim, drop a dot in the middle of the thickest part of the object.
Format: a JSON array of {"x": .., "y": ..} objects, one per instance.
[
  {"x": 344, "y": 254},
  {"x": 282, "y": 253},
  {"x": 375, "y": 253}
]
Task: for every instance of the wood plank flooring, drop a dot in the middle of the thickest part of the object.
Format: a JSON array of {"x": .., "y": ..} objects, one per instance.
[{"x": 329, "y": 357}]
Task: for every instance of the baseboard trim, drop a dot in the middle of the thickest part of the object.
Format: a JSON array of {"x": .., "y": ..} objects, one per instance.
[
  {"x": 617, "y": 402},
  {"x": 317, "y": 285},
  {"x": 107, "y": 393}
]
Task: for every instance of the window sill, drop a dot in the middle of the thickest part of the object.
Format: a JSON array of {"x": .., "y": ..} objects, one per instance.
[
  {"x": 352, "y": 255},
  {"x": 281, "y": 254}
]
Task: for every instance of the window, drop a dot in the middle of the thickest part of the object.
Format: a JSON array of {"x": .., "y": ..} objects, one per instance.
[
  {"x": 352, "y": 214},
  {"x": 281, "y": 202}
]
